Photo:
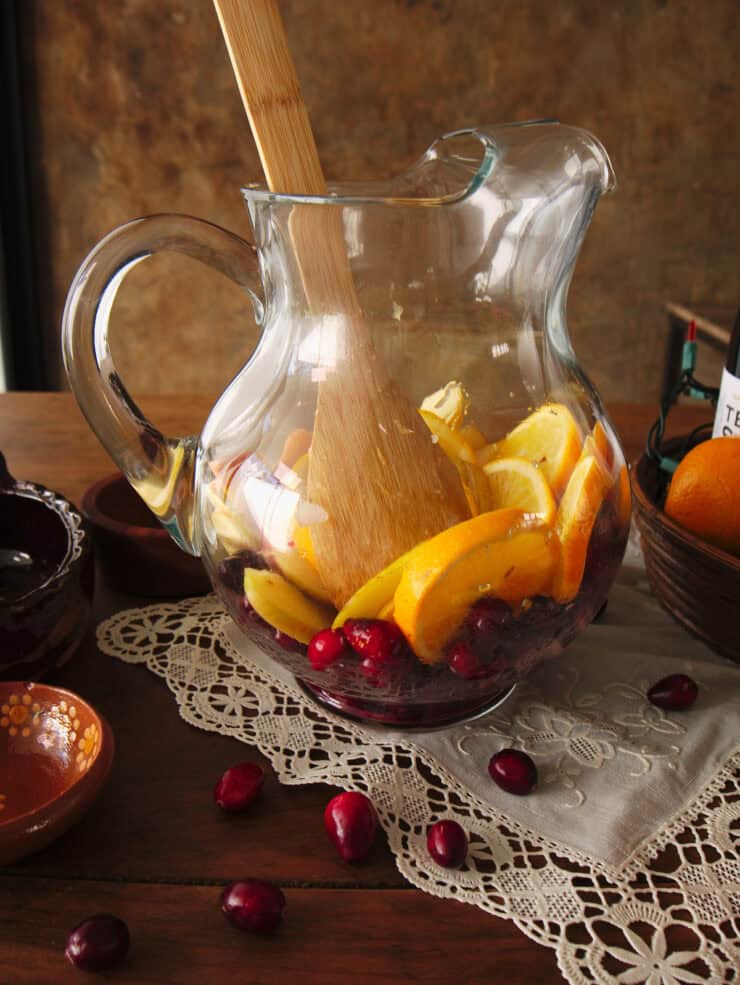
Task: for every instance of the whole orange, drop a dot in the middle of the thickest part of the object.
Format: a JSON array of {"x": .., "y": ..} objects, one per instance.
[{"x": 704, "y": 494}]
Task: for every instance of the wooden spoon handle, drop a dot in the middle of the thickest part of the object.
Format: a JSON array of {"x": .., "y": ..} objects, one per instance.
[{"x": 271, "y": 94}]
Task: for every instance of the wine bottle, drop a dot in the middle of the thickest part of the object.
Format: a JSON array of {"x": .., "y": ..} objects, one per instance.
[{"x": 727, "y": 417}]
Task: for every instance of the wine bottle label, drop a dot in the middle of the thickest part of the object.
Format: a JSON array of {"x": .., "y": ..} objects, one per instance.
[{"x": 727, "y": 418}]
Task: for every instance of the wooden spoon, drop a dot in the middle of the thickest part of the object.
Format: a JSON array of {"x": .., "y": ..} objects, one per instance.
[{"x": 373, "y": 466}]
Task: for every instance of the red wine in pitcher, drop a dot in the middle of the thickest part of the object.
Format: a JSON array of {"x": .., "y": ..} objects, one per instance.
[{"x": 727, "y": 417}]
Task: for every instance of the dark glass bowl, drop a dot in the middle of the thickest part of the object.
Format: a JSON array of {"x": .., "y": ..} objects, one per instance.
[{"x": 46, "y": 579}]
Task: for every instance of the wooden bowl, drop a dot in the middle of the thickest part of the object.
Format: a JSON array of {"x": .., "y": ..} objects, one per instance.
[
  {"x": 55, "y": 754},
  {"x": 46, "y": 578},
  {"x": 699, "y": 584},
  {"x": 137, "y": 554}
]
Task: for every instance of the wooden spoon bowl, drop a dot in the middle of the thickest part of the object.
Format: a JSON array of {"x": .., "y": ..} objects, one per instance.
[{"x": 55, "y": 755}]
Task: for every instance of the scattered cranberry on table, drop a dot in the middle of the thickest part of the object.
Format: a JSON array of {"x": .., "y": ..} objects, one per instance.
[
  {"x": 239, "y": 786},
  {"x": 98, "y": 943},
  {"x": 513, "y": 771},
  {"x": 447, "y": 844},
  {"x": 254, "y": 905},
  {"x": 351, "y": 822},
  {"x": 673, "y": 693},
  {"x": 327, "y": 646}
]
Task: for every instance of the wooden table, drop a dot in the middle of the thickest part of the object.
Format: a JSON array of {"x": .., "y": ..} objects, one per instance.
[{"x": 156, "y": 851}]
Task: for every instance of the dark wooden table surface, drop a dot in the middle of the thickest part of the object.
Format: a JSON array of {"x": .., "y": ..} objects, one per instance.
[{"x": 156, "y": 851}]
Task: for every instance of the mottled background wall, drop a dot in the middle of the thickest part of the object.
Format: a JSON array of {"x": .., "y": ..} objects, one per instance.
[{"x": 138, "y": 113}]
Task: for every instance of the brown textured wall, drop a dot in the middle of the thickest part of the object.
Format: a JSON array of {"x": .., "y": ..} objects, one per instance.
[{"x": 138, "y": 113}]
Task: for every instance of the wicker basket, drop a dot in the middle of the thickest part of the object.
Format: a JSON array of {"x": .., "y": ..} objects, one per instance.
[{"x": 697, "y": 583}]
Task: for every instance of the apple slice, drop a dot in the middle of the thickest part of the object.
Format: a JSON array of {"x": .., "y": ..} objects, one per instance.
[
  {"x": 301, "y": 573},
  {"x": 283, "y": 606},
  {"x": 376, "y": 594}
]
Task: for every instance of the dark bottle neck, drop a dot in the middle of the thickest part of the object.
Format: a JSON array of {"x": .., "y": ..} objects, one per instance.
[{"x": 733, "y": 352}]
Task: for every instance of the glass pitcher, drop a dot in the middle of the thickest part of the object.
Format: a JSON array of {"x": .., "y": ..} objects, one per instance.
[{"x": 414, "y": 503}]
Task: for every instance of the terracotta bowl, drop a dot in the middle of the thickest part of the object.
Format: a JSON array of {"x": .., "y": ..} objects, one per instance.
[
  {"x": 137, "y": 554},
  {"x": 55, "y": 754},
  {"x": 697, "y": 583},
  {"x": 46, "y": 578}
]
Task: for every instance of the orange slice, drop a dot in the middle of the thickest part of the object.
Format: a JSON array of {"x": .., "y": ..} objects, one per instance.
[
  {"x": 450, "y": 441},
  {"x": 604, "y": 450},
  {"x": 498, "y": 553},
  {"x": 473, "y": 436},
  {"x": 575, "y": 518},
  {"x": 450, "y": 403},
  {"x": 548, "y": 438},
  {"x": 456, "y": 448},
  {"x": 516, "y": 482}
]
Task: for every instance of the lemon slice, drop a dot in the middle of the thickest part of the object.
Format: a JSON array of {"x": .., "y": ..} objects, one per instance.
[
  {"x": 515, "y": 482},
  {"x": 498, "y": 553},
  {"x": 157, "y": 492},
  {"x": 473, "y": 436},
  {"x": 450, "y": 403},
  {"x": 284, "y": 607},
  {"x": 574, "y": 521},
  {"x": 549, "y": 438},
  {"x": 461, "y": 454}
]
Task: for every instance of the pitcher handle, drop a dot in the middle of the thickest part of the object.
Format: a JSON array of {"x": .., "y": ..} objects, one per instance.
[{"x": 161, "y": 469}]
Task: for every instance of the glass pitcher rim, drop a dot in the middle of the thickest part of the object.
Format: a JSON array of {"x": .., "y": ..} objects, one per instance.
[{"x": 258, "y": 194}]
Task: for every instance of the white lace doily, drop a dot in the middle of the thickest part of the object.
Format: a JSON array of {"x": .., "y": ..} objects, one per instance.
[{"x": 625, "y": 858}]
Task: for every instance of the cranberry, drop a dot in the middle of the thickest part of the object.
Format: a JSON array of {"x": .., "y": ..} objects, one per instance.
[
  {"x": 447, "y": 844},
  {"x": 376, "y": 640},
  {"x": 351, "y": 822},
  {"x": 98, "y": 943},
  {"x": 231, "y": 569},
  {"x": 463, "y": 660},
  {"x": 673, "y": 693},
  {"x": 326, "y": 646},
  {"x": 253, "y": 904},
  {"x": 488, "y": 617},
  {"x": 239, "y": 786},
  {"x": 513, "y": 771}
]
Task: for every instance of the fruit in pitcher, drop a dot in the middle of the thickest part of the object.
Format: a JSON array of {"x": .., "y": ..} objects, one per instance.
[
  {"x": 283, "y": 606},
  {"x": 463, "y": 457},
  {"x": 326, "y": 647},
  {"x": 450, "y": 403},
  {"x": 301, "y": 573},
  {"x": 157, "y": 489},
  {"x": 516, "y": 482},
  {"x": 548, "y": 438},
  {"x": 376, "y": 640},
  {"x": 574, "y": 522},
  {"x": 376, "y": 594},
  {"x": 500, "y": 553}
]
